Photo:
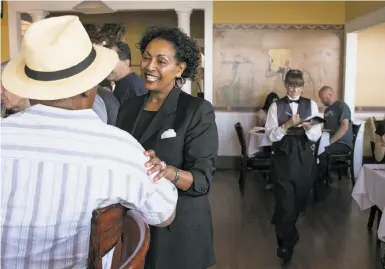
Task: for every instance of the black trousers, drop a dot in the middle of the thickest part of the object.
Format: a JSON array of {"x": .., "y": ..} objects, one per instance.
[
  {"x": 287, "y": 213},
  {"x": 293, "y": 173},
  {"x": 335, "y": 148}
]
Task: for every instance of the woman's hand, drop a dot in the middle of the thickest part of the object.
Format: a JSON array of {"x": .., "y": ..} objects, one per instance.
[{"x": 158, "y": 166}]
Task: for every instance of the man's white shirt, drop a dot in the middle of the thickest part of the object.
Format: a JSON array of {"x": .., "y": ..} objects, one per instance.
[{"x": 57, "y": 166}]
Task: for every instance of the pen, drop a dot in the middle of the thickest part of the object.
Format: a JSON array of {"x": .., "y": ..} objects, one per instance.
[{"x": 289, "y": 114}]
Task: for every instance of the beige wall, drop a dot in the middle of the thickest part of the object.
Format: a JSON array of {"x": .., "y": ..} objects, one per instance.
[
  {"x": 296, "y": 12},
  {"x": 370, "y": 77},
  {"x": 355, "y": 9}
]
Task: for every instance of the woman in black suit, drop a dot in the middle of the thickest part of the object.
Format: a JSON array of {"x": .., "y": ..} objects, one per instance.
[{"x": 180, "y": 136}]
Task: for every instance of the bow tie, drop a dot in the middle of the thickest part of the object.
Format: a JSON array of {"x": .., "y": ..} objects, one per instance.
[{"x": 293, "y": 101}]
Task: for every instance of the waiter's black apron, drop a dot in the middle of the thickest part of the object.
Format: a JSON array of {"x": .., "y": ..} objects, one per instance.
[{"x": 293, "y": 172}]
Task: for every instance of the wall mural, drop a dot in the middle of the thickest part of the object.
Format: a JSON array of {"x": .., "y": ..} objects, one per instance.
[{"x": 251, "y": 60}]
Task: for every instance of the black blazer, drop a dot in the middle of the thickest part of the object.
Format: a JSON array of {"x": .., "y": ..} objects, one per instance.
[
  {"x": 195, "y": 146},
  {"x": 193, "y": 149}
]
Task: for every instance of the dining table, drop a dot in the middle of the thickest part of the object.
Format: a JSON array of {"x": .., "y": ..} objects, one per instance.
[
  {"x": 369, "y": 191},
  {"x": 256, "y": 139}
]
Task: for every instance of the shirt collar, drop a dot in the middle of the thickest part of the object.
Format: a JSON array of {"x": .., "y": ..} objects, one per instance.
[
  {"x": 291, "y": 98},
  {"x": 54, "y": 112}
]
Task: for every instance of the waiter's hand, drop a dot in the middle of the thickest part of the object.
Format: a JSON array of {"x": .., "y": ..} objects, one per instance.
[
  {"x": 306, "y": 125},
  {"x": 158, "y": 166},
  {"x": 294, "y": 120}
]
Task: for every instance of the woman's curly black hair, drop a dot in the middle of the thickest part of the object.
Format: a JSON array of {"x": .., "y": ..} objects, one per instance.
[{"x": 186, "y": 49}]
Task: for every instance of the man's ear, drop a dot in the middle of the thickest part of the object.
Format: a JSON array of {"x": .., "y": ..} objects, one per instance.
[
  {"x": 85, "y": 94},
  {"x": 89, "y": 92}
]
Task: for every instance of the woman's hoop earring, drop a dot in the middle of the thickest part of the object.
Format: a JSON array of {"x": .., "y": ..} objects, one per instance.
[{"x": 179, "y": 82}]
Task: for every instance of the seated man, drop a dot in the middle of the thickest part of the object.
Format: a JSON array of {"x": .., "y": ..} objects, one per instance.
[
  {"x": 59, "y": 161},
  {"x": 338, "y": 122},
  {"x": 106, "y": 106},
  {"x": 379, "y": 142},
  {"x": 127, "y": 83}
]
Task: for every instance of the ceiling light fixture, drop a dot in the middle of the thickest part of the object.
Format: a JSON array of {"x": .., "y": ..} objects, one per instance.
[{"x": 92, "y": 7}]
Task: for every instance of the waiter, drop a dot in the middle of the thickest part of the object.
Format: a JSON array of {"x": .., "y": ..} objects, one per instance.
[{"x": 293, "y": 168}]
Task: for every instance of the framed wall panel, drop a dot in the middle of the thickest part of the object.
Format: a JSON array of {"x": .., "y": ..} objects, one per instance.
[{"x": 251, "y": 60}]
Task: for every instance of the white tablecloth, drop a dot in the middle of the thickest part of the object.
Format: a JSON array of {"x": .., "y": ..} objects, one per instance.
[
  {"x": 255, "y": 141},
  {"x": 324, "y": 142},
  {"x": 370, "y": 190}
]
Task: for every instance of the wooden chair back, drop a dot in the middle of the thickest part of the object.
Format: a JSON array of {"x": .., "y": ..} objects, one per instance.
[
  {"x": 117, "y": 227},
  {"x": 241, "y": 137},
  {"x": 135, "y": 241},
  {"x": 106, "y": 233},
  {"x": 377, "y": 122}
]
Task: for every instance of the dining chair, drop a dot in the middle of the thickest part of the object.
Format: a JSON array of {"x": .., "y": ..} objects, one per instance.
[
  {"x": 344, "y": 160},
  {"x": 116, "y": 228},
  {"x": 259, "y": 161}
]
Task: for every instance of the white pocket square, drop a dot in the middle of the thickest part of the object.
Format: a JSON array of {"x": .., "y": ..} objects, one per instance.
[{"x": 168, "y": 134}]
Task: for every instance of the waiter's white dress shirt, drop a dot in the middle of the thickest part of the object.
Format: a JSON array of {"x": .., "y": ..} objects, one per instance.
[
  {"x": 276, "y": 132},
  {"x": 57, "y": 166}
]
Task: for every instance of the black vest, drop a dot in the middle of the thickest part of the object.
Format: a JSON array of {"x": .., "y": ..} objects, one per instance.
[{"x": 283, "y": 111}]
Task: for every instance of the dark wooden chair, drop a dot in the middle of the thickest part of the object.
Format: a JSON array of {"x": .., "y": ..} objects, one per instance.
[
  {"x": 376, "y": 122},
  {"x": 341, "y": 161},
  {"x": 135, "y": 241},
  {"x": 374, "y": 210},
  {"x": 260, "y": 161},
  {"x": 116, "y": 227}
]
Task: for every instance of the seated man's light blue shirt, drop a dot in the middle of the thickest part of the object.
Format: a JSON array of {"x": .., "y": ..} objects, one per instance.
[{"x": 99, "y": 108}]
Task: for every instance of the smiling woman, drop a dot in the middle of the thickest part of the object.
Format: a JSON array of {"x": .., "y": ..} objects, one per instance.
[
  {"x": 169, "y": 42},
  {"x": 180, "y": 136}
]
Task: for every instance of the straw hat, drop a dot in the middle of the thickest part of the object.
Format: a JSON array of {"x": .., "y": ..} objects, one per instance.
[{"x": 57, "y": 61}]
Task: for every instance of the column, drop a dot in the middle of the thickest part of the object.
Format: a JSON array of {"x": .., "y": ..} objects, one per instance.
[
  {"x": 184, "y": 16},
  {"x": 349, "y": 93},
  {"x": 38, "y": 15}
]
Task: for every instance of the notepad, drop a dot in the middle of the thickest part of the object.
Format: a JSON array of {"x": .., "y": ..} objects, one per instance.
[{"x": 313, "y": 119}]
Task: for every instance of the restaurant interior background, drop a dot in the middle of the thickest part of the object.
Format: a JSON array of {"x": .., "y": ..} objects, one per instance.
[{"x": 369, "y": 97}]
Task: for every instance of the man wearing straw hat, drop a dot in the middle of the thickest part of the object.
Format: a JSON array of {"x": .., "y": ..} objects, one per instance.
[{"x": 59, "y": 161}]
